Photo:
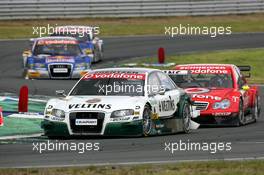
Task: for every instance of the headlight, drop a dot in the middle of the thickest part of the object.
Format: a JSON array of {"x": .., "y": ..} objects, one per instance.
[
  {"x": 58, "y": 113},
  {"x": 88, "y": 51},
  {"x": 39, "y": 65},
  {"x": 122, "y": 113},
  {"x": 222, "y": 105},
  {"x": 80, "y": 66}
]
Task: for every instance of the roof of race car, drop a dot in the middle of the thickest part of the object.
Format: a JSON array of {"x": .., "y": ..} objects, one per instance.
[
  {"x": 132, "y": 70},
  {"x": 74, "y": 27},
  {"x": 55, "y": 38},
  {"x": 226, "y": 66}
]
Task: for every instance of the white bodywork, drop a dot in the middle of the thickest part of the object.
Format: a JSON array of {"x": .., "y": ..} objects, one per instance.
[{"x": 163, "y": 106}]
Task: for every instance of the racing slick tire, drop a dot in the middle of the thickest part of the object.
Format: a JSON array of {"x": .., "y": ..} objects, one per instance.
[
  {"x": 256, "y": 109},
  {"x": 147, "y": 121},
  {"x": 185, "y": 113},
  {"x": 240, "y": 115}
]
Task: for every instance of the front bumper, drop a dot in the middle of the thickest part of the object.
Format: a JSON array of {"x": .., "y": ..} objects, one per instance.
[
  {"x": 44, "y": 74},
  {"x": 52, "y": 128},
  {"x": 133, "y": 128},
  {"x": 227, "y": 119}
]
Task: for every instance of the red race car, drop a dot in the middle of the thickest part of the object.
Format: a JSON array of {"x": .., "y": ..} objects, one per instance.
[{"x": 220, "y": 92}]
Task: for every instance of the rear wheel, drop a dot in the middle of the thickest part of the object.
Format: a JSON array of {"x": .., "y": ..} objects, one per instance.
[
  {"x": 186, "y": 117},
  {"x": 147, "y": 122}
]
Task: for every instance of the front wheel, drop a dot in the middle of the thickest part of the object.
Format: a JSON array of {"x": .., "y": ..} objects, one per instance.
[
  {"x": 241, "y": 115},
  {"x": 147, "y": 122},
  {"x": 256, "y": 109}
]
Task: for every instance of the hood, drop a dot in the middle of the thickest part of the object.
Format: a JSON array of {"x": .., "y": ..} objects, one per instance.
[
  {"x": 98, "y": 103},
  {"x": 204, "y": 94}
]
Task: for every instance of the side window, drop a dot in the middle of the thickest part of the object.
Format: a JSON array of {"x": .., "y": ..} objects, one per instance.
[
  {"x": 166, "y": 82},
  {"x": 153, "y": 83},
  {"x": 239, "y": 78}
]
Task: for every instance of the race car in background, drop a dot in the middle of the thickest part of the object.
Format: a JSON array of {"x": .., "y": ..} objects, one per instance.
[
  {"x": 91, "y": 45},
  {"x": 55, "y": 58},
  {"x": 220, "y": 91},
  {"x": 120, "y": 102}
]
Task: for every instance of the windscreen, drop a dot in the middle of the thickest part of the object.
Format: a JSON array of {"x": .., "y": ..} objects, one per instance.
[
  {"x": 82, "y": 37},
  {"x": 57, "y": 48},
  {"x": 109, "y": 84},
  {"x": 205, "y": 80}
]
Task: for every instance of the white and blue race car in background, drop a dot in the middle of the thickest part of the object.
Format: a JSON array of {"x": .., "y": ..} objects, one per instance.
[
  {"x": 89, "y": 42},
  {"x": 55, "y": 58}
]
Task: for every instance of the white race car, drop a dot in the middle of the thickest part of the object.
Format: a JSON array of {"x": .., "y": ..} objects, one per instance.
[{"x": 120, "y": 102}]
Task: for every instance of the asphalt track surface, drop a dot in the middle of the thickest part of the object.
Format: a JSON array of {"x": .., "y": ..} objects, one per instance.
[
  {"x": 116, "y": 49},
  {"x": 247, "y": 142}
]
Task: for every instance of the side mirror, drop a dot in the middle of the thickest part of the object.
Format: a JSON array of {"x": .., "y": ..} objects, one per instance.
[
  {"x": 245, "y": 87},
  {"x": 60, "y": 93},
  {"x": 161, "y": 92}
]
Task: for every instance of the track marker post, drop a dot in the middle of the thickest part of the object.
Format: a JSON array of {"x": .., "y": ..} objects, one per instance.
[
  {"x": 23, "y": 99},
  {"x": 161, "y": 55}
]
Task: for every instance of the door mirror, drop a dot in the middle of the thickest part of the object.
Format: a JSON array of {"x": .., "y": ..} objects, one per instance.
[
  {"x": 245, "y": 87},
  {"x": 162, "y": 92},
  {"x": 60, "y": 93}
]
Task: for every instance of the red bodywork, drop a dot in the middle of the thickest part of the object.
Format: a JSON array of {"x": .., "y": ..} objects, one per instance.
[{"x": 205, "y": 98}]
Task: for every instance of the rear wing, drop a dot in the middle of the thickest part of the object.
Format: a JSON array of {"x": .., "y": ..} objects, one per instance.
[{"x": 245, "y": 69}]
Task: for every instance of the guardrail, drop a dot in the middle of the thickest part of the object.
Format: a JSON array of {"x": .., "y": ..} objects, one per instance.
[{"x": 35, "y": 9}]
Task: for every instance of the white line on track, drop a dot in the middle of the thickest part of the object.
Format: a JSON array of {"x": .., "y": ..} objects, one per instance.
[
  {"x": 139, "y": 163},
  {"x": 20, "y": 136}
]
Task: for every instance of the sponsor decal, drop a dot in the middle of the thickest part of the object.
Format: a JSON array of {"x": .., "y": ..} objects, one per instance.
[
  {"x": 94, "y": 100},
  {"x": 201, "y": 96},
  {"x": 90, "y": 106},
  {"x": 167, "y": 105},
  {"x": 196, "y": 90},
  {"x": 54, "y": 118},
  {"x": 120, "y": 119},
  {"x": 207, "y": 69},
  {"x": 135, "y": 118},
  {"x": 159, "y": 126},
  {"x": 221, "y": 114},
  {"x": 48, "y": 42},
  {"x": 114, "y": 75},
  {"x": 59, "y": 59},
  {"x": 176, "y": 72},
  {"x": 235, "y": 99},
  {"x": 154, "y": 116},
  {"x": 84, "y": 122}
]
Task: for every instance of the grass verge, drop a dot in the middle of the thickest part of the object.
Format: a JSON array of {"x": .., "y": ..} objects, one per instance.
[
  {"x": 136, "y": 26},
  {"x": 252, "y": 57},
  {"x": 255, "y": 167}
]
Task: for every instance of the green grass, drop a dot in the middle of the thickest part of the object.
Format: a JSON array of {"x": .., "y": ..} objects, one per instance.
[
  {"x": 20, "y": 126},
  {"x": 252, "y": 57},
  {"x": 194, "y": 168},
  {"x": 136, "y": 26}
]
